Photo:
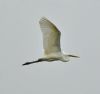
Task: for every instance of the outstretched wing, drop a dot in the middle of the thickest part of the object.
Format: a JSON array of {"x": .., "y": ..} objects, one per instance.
[{"x": 51, "y": 36}]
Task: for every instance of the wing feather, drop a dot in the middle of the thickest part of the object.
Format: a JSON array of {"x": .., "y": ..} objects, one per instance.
[{"x": 51, "y": 36}]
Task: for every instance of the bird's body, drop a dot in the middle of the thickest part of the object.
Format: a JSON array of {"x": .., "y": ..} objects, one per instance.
[{"x": 51, "y": 43}]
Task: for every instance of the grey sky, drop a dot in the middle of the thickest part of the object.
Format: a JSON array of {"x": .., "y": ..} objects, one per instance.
[{"x": 21, "y": 41}]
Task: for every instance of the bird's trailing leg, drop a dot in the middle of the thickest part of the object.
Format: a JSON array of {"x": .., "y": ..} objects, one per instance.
[{"x": 39, "y": 60}]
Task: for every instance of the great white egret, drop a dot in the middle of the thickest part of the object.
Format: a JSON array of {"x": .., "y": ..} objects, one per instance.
[{"x": 51, "y": 43}]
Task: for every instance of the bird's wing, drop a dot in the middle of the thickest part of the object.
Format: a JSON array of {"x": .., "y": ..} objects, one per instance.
[{"x": 51, "y": 36}]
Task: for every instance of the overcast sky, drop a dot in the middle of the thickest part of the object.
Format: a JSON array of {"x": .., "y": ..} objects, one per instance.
[{"x": 21, "y": 41}]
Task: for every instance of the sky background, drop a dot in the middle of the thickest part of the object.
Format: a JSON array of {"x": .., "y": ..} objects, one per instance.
[{"x": 21, "y": 41}]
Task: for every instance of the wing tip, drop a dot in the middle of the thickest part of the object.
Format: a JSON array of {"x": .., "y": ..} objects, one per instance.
[{"x": 43, "y": 19}]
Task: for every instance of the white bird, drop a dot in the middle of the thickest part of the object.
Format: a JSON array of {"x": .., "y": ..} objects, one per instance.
[{"x": 51, "y": 43}]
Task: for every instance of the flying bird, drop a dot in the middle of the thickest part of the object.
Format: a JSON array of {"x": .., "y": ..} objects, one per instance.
[{"x": 51, "y": 43}]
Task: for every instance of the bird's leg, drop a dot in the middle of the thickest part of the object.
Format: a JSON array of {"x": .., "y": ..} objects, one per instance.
[
  {"x": 39, "y": 60},
  {"x": 27, "y": 63}
]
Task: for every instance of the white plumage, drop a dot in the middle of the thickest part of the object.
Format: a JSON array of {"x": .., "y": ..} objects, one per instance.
[
  {"x": 51, "y": 43},
  {"x": 51, "y": 37}
]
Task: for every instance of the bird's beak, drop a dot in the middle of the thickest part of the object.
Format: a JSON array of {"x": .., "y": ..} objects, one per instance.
[{"x": 74, "y": 56}]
